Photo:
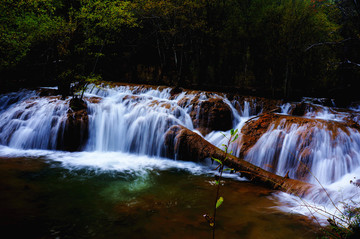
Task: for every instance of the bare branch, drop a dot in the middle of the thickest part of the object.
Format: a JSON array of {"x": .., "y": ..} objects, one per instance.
[
  {"x": 328, "y": 43},
  {"x": 350, "y": 62}
]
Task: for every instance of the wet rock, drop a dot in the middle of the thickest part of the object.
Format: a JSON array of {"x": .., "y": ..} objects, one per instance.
[
  {"x": 175, "y": 91},
  {"x": 74, "y": 130},
  {"x": 257, "y": 105},
  {"x": 47, "y": 92},
  {"x": 257, "y": 126},
  {"x": 302, "y": 108},
  {"x": 188, "y": 145},
  {"x": 307, "y": 132},
  {"x": 94, "y": 99},
  {"x": 254, "y": 129},
  {"x": 209, "y": 115},
  {"x": 77, "y": 104}
]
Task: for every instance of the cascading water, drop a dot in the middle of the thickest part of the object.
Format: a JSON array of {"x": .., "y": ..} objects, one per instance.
[
  {"x": 127, "y": 121},
  {"x": 33, "y": 123},
  {"x": 134, "y": 123},
  {"x": 293, "y": 148}
]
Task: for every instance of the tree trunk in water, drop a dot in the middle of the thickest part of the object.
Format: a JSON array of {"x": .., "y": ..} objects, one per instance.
[{"x": 191, "y": 146}]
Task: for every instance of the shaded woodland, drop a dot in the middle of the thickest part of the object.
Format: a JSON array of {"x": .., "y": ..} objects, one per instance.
[{"x": 278, "y": 49}]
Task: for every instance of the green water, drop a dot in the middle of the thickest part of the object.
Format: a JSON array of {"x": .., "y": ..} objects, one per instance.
[{"x": 44, "y": 200}]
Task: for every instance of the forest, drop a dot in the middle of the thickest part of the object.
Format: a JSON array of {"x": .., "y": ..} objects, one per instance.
[
  {"x": 140, "y": 118},
  {"x": 277, "y": 49}
]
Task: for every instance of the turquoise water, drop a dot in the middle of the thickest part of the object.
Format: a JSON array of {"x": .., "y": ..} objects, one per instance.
[{"x": 43, "y": 198}]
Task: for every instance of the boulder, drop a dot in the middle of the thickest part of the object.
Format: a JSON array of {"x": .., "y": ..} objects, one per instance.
[{"x": 208, "y": 115}]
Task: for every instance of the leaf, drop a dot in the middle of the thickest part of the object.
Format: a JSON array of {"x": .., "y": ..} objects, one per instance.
[
  {"x": 228, "y": 169},
  {"x": 217, "y": 182},
  {"x": 219, "y": 202},
  {"x": 217, "y": 160},
  {"x": 224, "y": 135},
  {"x": 232, "y": 131},
  {"x": 235, "y": 138}
]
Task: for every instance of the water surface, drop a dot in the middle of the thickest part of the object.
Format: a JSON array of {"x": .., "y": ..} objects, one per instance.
[{"x": 42, "y": 198}]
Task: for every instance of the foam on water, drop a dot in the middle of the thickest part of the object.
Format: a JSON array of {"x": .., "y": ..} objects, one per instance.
[
  {"x": 127, "y": 127},
  {"x": 130, "y": 164},
  {"x": 330, "y": 201}
]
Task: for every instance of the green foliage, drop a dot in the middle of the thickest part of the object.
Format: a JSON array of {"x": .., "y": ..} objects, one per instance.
[
  {"x": 23, "y": 24},
  {"x": 347, "y": 226},
  {"x": 84, "y": 81},
  {"x": 219, "y": 199},
  {"x": 70, "y": 34},
  {"x": 103, "y": 20},
  {"x": 217, "y": 160},
  {"x": 219, "y": 202},
  {"x": 283, "y": 31},
  {"x": 259, "y": 44}
]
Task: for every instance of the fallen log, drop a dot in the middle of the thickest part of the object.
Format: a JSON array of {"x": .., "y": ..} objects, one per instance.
[{"x": 188, "y": 145}]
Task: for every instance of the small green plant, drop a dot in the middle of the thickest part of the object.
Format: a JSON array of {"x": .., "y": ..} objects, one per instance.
[
  {"x": 343, "y": 226},
  {"x": 221, "y": 168},
  {"x": 347, "y": 226},
  {"x": 85, "y": 81}
]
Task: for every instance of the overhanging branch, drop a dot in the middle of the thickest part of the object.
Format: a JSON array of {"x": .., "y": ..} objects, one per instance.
[{"x": 329, "y": 43}]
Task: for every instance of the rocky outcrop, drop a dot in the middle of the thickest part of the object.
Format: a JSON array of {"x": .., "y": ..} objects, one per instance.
[
  {"x": 257, "y": 126},
  {"x": 47, "y": 92},
  {"x": 73, "y": 133},
  {"x": 187, "y": 145},
  {"x": 302, "y": 108},
  {"x": 299, "y": 137},
  {"x": 208, "y": 115},
  {"x": 257, "y": 104}
]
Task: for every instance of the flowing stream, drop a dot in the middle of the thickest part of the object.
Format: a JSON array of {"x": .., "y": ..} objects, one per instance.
[{"x": 121, "y": 184}]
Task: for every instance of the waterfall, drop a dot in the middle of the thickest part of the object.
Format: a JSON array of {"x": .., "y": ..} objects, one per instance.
[
  {"x": 307, "y": 151},
  {"x": 134, "y": 122},
  {"x": 134, "y": 119},
  {"x": 9, "y": 99},
  {"x": 32, "y": 123},
  {"x": 129, "y": 123}
]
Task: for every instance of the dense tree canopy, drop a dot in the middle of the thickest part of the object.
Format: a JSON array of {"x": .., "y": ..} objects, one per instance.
[{"x": 276, "y": 48}]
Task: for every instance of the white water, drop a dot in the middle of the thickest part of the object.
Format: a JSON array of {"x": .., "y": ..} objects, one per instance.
[
  {"x": 127, "y": 127},
  {"x": 134, "y": 123},
  {"x": 289, "y": 148},
  {"x": 33, "y": 123}
]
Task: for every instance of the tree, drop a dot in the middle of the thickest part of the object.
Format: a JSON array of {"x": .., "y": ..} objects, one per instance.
[
  {"x": 23, "y": 24},
  {"x": 281, "y": 35}
]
